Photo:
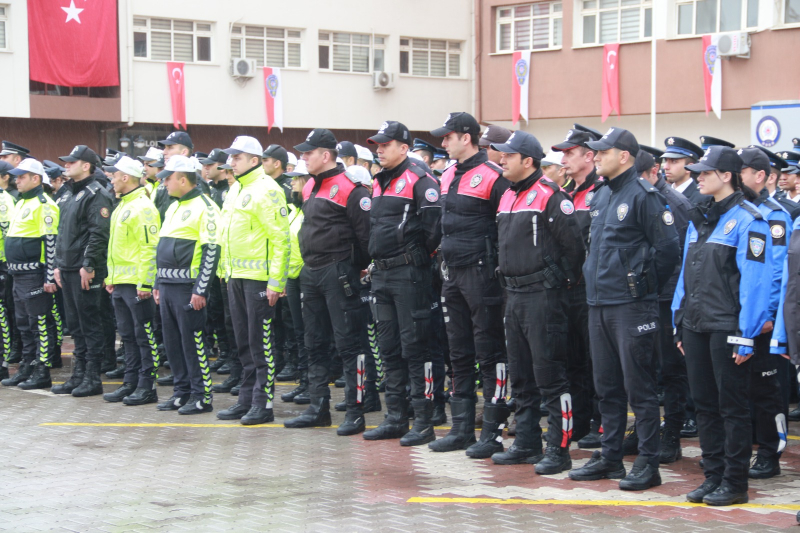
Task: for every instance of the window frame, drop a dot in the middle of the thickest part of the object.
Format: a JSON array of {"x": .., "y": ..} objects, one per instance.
[
  {"x": 512, "y": 19},
  {"x": 372, "y": 47},
  {"x": 582, "y": 12},
  {"x": 783, "y": 23},
  {"x": 4, "y": 20},
  {"x": 675, "y": 30},
  {"x": 195, "y": 33},
  {"x": 449, "y": 50},
  {"x": 287, "y": 40}
]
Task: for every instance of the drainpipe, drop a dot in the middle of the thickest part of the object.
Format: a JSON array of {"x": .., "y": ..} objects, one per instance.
[
  {"x": 478, "y": 44},
  {"x": 129, "y": 40}
]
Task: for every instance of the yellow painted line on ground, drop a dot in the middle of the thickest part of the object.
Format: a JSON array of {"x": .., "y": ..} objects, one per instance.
[
  {"x": 598, "y": 503},
  {"x": 176, "y": 425}
]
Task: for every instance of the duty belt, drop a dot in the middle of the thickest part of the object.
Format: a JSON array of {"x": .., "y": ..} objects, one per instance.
[
  {"x": 523, "y": 281},
  {"x": 24, "y": 267},
  {"x": 400, "y": 260}
]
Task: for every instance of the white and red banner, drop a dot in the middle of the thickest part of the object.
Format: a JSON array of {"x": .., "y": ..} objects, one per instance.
[
  {"x": 519, "y": 85},
  {"x": 610, "y": 94},
  {"x": 712, "y": 75},
  {"x": 177, "y": 93},
  {"x": 73, "y": 42},
  {"x": 274, "y": 96}
]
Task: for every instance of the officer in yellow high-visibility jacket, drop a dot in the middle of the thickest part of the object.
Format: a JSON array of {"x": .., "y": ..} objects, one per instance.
[
  {"x": 186, "y": 259},
  {"x": 6, "y": 208},
  {"x": 255, "y": 242},
  {"x": 131, "y": 275}
]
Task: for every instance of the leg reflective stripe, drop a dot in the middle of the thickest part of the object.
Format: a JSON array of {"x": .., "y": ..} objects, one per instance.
[
  {"x": 361, "y": 373},
  {"x": 5, "y": 330},
  {"x": 266, "y": 329},
  {"x": 500, "y": 387},
  {"x": 444, "y": 311},
  {"x": 59, "y": 325},
  {"x": 200, "y": 348},
  {"x": 566, "y": 419},
  {"x": 780, "y": 422},
  {"x": 429, "y": 380},
  {"x": 44, "y": 345},
  {"x": 477, "y": 375},
  {"x": 376, "y": 352},
  {"x": 153, "y": 347}
]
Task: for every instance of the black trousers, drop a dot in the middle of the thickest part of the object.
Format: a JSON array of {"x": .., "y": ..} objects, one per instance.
[
  {"x": 673, "y": 371},
  {"x": 234, "y": 361},
  {"x": 579, "y": 364},
  {"x": 472, "y": 303},
  {"x": 8, "y": 291},
  {"x": 623, "y": 358},
  {"x": 373, "y": 361},
  {"x": 215, "y": 317},
  {"x": 109, "y": 326},
  {"x": 7, "y": 320},
  {"x": 721, "y": 392},
  {"x": 766, "y": 399},
  {"x": 295, "y": 307},
  {"x": 32, "y": 306},
  {"x": 252, "y": 318},
  {"x": 83, "y": 311},
  {"x": 135, "y": 323},
  {"x": 184, "y": 340},
  {"x": 440, "y": 351},
  {"x": 330, "y": 309},
  {"x": 537, "y": 342},
  {"x": 401, "y": 300}
]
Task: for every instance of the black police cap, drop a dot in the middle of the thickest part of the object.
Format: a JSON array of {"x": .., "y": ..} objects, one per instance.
[
  {"x": 521, "y": 142},
  {"x": 644, "y": 161},
  {"x": 618, "y": 138},
  {"x": 719, "y": 158},
  {"x": 199, "y": 155},
  {"x": 419, "y": 144},
  {"x": 655, "y": 152},
  {"x": 10, "y": 148},
  {"x": 460, "y": 122},
  {"x": 216, "y": 156},
  {"x": 178, "y": 137},
  {"x": 50, "y": 164},
  {"x": 796, "y": 142},
  {"x": 158, "y": 163},
  {"x": 318, "y": 138},
  {"x": 441, "y": 153},
  {"x": 81, "y": 153},
  {"x": 707, "y": 141},
  {"x": 391, "y": 131},
  {"x": 754, "y": 158},
  {"x": 276, "y": 152},
  {"x": 591, "y": 131},
  {"x": 775, "y": 161},
  {"x": 345, "y": 149},
  {"x": 494, "y": 135},
  {"x": 576, "y": 137},
  {"x": 679, "y": 148},
  {"x": 5, "y": 168},
  {"x": 112, "y": 158}
]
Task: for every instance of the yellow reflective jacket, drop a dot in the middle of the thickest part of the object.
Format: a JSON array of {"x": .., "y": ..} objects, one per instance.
[
  {"x": 132, "y": 244},
  {"x": 296, "y": 260},
  {"x": 30, "y": 242},
  {"x": 6, "y": 210},
  {"x": 255, "y": 232}
]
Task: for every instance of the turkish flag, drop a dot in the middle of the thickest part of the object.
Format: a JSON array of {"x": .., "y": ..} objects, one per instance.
[
  {"x": 177, "y": 93},
  {"x": 73, "y": 42},
  {"x": 610, "y": 80}
]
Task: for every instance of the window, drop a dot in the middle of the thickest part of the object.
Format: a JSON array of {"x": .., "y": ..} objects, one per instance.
[
  {"x": 39, "y": 88},
  {"x": 171, "y": 40},
  {"x": 430, "y": 57},
  {"x": 700, "y": 17},
  {"x": 616, "y": 21},
  {"x": 271, "y": 47},
  {"x": 529, "y": 27},
  {"x": 3, "y": 32},
  {"x": 351, "y": 52},
  {"x": 791, "y": 12}
]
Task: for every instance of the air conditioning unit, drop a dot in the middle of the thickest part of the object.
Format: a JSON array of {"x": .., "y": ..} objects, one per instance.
[
  {"x": 734, "y": 44},
  {"x": 382, "y": 80},
  {"x": 242, "y": 67}
]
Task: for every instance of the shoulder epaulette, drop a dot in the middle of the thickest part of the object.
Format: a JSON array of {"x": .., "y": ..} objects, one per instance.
[
  {"x": 646, "y": 185},
  {"x": 544, "y": 180},
  {"x": 747, "y": 206},
  {"x": 206, "y": 200},
  {"x": 773, "y": 205},
  {"x": 419, "y": 171},
  {"x": 494, "y": 166},
  {"x": 42, "y": 198}
]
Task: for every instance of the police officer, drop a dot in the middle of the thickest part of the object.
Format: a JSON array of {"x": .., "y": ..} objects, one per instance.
[
  {"x": 707, "y": 141},
  {"x": 13, "y": 154},
  {"x": 81, "y": 257},
  {"x": 540, "y": 245},
  {"x": 721, "y": 305},
  {"x": 770, "y": 376},
  {"x": 472, "y": 298},
  {"x": 633, "y": 252},
  {"x": 334, "y": 242},
  {"x": 255, "y": 241},
  {"x": 187, "y": 257},
  {"x": 424, "y": 150},
  {"x": 493, "y": 135},
  {"x": 680, "y": 153},
  {"x": 151, "y": 181},
  {"x": 30, "y": 243},
  {"x": 405, "y": 229},
  {"x": 131, "y": 276},
  {"x": 776, "y": 166},
  {"x": 6, "y": 209}
]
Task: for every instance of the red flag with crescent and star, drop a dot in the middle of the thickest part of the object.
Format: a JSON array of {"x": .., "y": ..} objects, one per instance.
[
  {"x": 610, "y": 80},
  {"x": 73, "y": 42},
  {"x": 177, "y": 93}
]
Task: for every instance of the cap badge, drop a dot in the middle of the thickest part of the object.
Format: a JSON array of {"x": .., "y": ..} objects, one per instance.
[
  {"x": 530, "y": 198},
  {"x": 186, "y": 215},
  {"x": 310, "y": 135},
  {"x": 512, "y": 136},
  {"x": 702, "y": 140},
  {"x": 334, "y": 190},
  {"x": 475, "y": 181},
  {"x": 670, "y": 141},
  {"x": 668, "y": 218},
  {"x": 777, "y": 231},
  {"x": 401, "y": 184},
  {"x": 569, "y": 134},
  {"x": 153, "y": 229},
  {"x": 730, "y": 225},
  {"x": 740, "y": 151},
  {"x": 756, "y": 246},
  {"x": 383, "y": 127},
  {"x": 246, "y": 200},
  {"x": 609, "y": 132},
  {"x": 449, "y": 116},
  {"x": 622, "y": 211}
]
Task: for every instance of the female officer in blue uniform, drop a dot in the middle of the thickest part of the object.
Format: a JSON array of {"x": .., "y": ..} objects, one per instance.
[{"x": 720, "y": 306}]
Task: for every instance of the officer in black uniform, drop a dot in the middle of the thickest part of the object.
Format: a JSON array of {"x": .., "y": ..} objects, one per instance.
[
  {"x": 493, "y": 135},
  {"x": 680, "y": 153},
  {"x": 472, "y": 299},
  {"x": 405, "y": 229},
  {"x": 540, "y": 245},
  {"x": 707, "y": 141},
  {"x": 13, "y": 154},
  {"x": 334, "y": 243},
  {"x": 81, "y": 254},
  {"x": 632, "y": 254}
]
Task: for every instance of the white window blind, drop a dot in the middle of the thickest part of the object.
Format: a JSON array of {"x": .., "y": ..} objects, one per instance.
[
  {"x": 268, "y": 46},
  {"x": 529, "y": 27}
]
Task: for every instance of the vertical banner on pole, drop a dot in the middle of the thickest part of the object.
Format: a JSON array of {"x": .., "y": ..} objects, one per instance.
[
  {"x": 274, "y": 97},
  {"x": 519, "y": 85},
  {"x": 610, "y": 80},
  {"x": 712, "y": 75},
  {"x": 177, "y": 93}
]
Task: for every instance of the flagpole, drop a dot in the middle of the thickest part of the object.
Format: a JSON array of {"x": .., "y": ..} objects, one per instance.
[{"x": 653, "y": 71}]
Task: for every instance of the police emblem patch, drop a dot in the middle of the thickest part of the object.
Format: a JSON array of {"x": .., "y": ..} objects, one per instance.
[
  {"x": 566, "y": 207},
  {"x": 431, "y": 195},
  {"x": 334, "y": 190},
  {"x": 756, "y": 246},
  {"x": 530, "y": 198},
  {"x": 125, "y": 215},
  {"x": 365, "y": 204},
  {"x": 246, "y": 200},
  {"x": 48, "y": 220},
  {"x": 729, "y": 226},
  {"x": 476, "y": 180},
  {"x": 104, "y": 212},
  {"x": 153, "y": 229},
  {"x": 399, "y": 186},
  {"x": 668, "y": 218},
  {"x": 622, "y": 211},
  {"x": 26, "y": 212},
  {"x": 777, "y": 231},
  {"x": 283, "y": 211},
  {"x": 3, "y": 208},
  {"x": 186, "y": 214},
  {"x": 211, "y": 226},
  {"x": 589, "y": 196},
  {"x": 80, "y": 195}
]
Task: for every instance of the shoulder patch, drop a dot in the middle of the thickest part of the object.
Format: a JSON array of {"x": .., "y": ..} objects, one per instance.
[
  {"x": 777, "y": 228},
  {"x": 668, "y": 218},
  {"x": 756, "y": 242},
  {"x": 104, "y": 212},
  {"x": 365, "y": 203},
  {"x": 646, "y": 185},
  {"x": 431, "y": 195},
  {"x": 566, "y": 207}
]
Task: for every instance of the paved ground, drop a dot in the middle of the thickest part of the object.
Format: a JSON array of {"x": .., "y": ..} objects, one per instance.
[{"x": 86, "y": 465}]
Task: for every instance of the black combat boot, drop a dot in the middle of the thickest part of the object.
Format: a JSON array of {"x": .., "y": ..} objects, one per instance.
[
  {"x": 303, "y": 398},
  {"x": 372, "y": 399},
  {"x": 197, "y": 404},
  {"x": 763, "y": 468},
  {"x": 289, "y": 372},
  {"x": 15, "y": 356},
  {"x": 54, "y": 357},
  {"x": 495, "y": 418},
  {"x": 234, "y": 412},
  {"x": 670, "y": 446},
  {"x": 222, "y": 358},
  {"x": 395, "y": 425},
  {"x": 339, "y": 382},
  {"x": 301, "y": 388},
  {"x": 642, "y": 476},
  {"x": 354, "y": 419},
  {"x": 230, "y": 382},
  {"x": 318, "y": 414},
  {"x": 141, "y": 396},
  {"x": 91, "y": 384},
  {"x": 592, "y": 440},
  {"x": 725, "y": 495},
  {"x": 109, "y": 362},
  {"x": 118, "y": 395},
  {"x": 439, "y": 416},
  {"x": 555, "y": 461},
  {"x": 3, "y": 372},
  {"x": 24, "y": 372},
  {"x": 258, "y": 415},
  {"x": 78, "y": 371},
  {"x": 630, "y": 444},
  {"x": 341, "y": 406},
  {"x": 462, "y": 434},
  {"x": 173, "y": 403},
  {"x": 422, "y": 430},
  {"x": 117, "y": 373},
  {"x": 708, "y": 486},
  {"x": 166, "y": 381},
  {"x": 225, "y": 368},
  {"x": 235, "y": 390},
  {"x": 40, "y": 379},
  {"x": 527, "y": 447},
  {"x": 598, "y": 467}
]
